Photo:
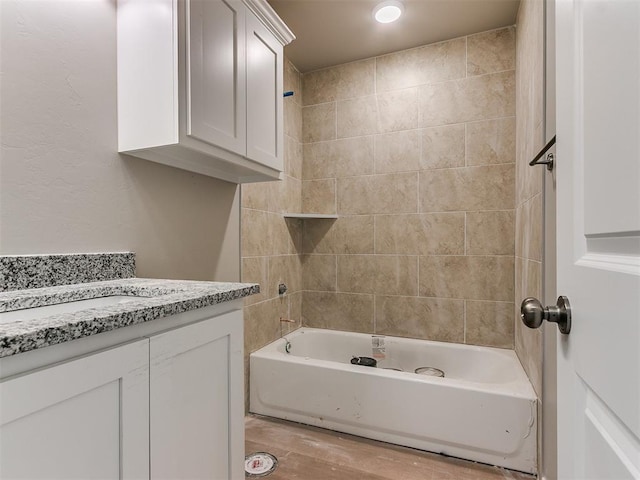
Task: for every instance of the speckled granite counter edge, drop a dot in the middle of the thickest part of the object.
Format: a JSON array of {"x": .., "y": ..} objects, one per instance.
[
  {"x": 35, "y": 271},
  {"x": 163, "y": 298}
]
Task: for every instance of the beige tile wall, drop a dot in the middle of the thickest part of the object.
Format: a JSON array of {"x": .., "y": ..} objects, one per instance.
[
  {"x": 529, "y": 219},
  {"x": 415, "y": 152},
  {"x": 271, "y": 244}
]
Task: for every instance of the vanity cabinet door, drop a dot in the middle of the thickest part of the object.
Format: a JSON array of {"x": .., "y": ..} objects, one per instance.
[
  {"x": 217, "y": 79},
  {"x": 264, "y": 95},
  {"x": 86, "y": 418},
  {"x": 197, "y": 400}
]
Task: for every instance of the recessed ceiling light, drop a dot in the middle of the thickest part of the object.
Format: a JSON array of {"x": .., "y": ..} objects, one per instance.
[{"x": 389, "y": 11}]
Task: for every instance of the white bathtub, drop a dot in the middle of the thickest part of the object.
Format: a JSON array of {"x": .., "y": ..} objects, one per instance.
[{"x": 483, "y": 410}]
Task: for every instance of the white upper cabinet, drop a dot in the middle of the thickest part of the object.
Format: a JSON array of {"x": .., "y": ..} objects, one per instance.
[
  {"x": 216, "y": 95},
  {"x": 200, "y": 86},
  {"x": 264, "y": 95}
]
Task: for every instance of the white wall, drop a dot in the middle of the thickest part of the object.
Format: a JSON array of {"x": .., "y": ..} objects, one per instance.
[{"x": 63, "y": 186}]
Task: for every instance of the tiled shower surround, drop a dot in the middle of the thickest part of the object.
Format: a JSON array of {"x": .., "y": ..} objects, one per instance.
[{"x": 415, "y": 153}]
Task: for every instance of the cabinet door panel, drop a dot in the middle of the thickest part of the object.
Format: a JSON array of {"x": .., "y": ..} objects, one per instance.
[
  {"x": 196, "y": 409},
  {"x": 264, "y": 95},
  {"x": 86, "y": 418},
  {"x": 216, "y": 90}
]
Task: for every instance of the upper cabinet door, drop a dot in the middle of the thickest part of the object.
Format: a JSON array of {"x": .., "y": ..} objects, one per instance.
[
  {"x": 216, "y": 84},
  {"x": 264, "y": 95}
]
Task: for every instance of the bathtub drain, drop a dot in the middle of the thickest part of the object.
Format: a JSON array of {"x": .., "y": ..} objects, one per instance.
[
  {"x": 430, "y": 371},
  {"x": 259, "y": 464}
]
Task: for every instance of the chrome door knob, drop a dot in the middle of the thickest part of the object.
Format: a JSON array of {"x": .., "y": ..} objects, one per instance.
[{"x": 532, "y": 313}]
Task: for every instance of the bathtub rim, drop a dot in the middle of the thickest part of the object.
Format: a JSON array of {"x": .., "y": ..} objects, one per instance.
[{"x": 520, "y": 387}]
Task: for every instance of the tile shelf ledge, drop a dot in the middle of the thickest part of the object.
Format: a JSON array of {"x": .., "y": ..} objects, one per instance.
[{"x": 319, "y": 216}]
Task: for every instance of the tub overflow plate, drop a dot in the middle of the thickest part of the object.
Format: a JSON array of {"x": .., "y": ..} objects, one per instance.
[
  {"x": 259, "y": 464},
  {"x": 430, "y": 371}
]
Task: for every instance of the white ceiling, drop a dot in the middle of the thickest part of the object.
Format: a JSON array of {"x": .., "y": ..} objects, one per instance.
[{"x": 331, "y": 32}]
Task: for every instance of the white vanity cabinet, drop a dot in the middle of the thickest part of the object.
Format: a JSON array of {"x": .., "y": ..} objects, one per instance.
[
  {"x": 197, "y": 401},
  {"x": 200, "y": 85},
  {"x": 86, "y": 418},
  {"x": 167, "y": 405}
]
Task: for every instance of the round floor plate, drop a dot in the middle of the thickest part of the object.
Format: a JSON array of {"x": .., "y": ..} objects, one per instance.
[{"x": 259, "y": 464}]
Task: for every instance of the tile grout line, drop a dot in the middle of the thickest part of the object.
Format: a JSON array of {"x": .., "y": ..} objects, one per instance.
[
  {"x": 418, "y": 273},
  {"x": 466, "y": 160},
  {"x": 465, "y": 234},
  {"x": 464, "y": 316},
  {"x": 466, "y": 56}
]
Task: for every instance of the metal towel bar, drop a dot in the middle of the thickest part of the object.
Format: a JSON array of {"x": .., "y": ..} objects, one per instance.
[{"x": 548, "y": 161}]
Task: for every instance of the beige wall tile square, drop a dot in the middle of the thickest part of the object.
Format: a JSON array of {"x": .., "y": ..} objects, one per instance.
[
  {"x": 390, "y": 275},
  {"x": 295, "y": 312},
  {"x": 339, "y": 158},
  {"x": 343, "y": 81},
  {"x": 292, "y": 157},
  {"x": 319, "y": 272},
  {"x": 443, "y": 147},
  {"x": 529, "y": 347},
  {"x": 490, "y": 52},
  {"x": 528, "y": 342},
  {"x": 529, "y": 180},
  {"x": 285, "y": 269},
  {"x": 397, "y": 152},
  {"x": 393, "y": 193},
  {"x": 529, "y": 224},
  {"x": 294, "y": 194},
  {"x": 357, "y": 116},
  {"x": 282, "y": 236},
  {"x": 256, "y": 270},
  {"x": 470, "y": 188},
  {"x": 420, "y": 234},
  {"x": 473, "y": 98},
  {"x": 491, "y": 141},
  {"x": 316, "y": 160},
  {"x": 435, "y": 319},
  {"x": 422, "y": 65},
  {"x": 472, "y": 278},
  {"x": 319, "y": 196},
  {"x": 491, "y": 233},
  {"x": 294, "y": 228},
  {"x": 528, "y": 276},
  {"x": 489, "y": 323},
  {"x": 319, "y": 86},
  {"x": 319, "y": 122},
  {"x": 346, "y": 235},
  {"x": 255, "y": 227},
  {"x": 262, "y": 323},
  {"x": 292, "y": 80},
  {"x": 255, "y": 195},
  {"x": 338, "y": 311},
  {"x": 398, "y": 110},
  {"x": 292, "y": 119},
  {"x": 285, "y": 195}
]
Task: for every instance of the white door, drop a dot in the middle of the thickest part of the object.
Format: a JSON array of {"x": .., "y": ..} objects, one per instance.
[
  {"x": 598, "y": 237},
  {"x": 197, "y": 401}
]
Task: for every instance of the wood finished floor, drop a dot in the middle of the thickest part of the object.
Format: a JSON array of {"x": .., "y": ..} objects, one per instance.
[{"x": 310, "y": 453}]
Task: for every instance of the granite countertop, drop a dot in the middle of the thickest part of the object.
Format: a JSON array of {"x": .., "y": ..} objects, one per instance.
[{"x": 162, "y": 298}]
